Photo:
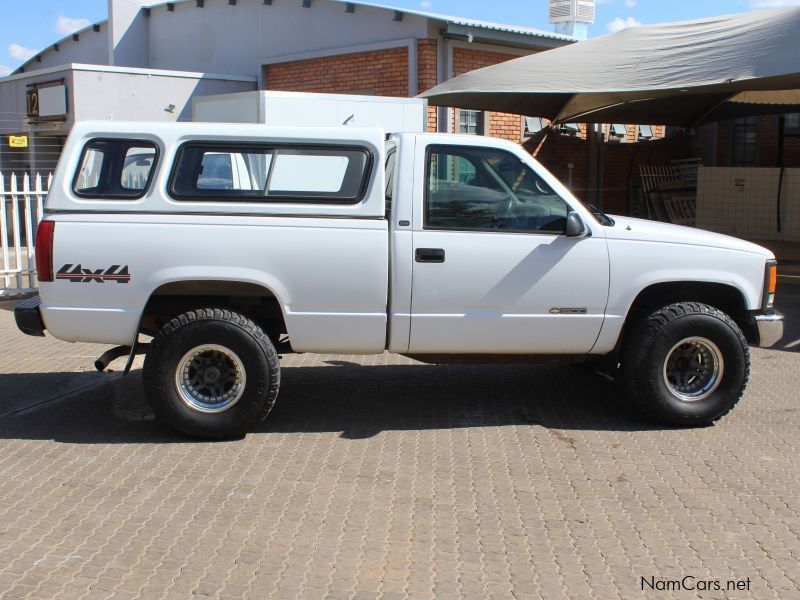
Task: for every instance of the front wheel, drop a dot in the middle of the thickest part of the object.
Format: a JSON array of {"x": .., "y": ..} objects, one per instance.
[
  {"x": 686, "y": 364},
  {"x": 211, "y": 373}
]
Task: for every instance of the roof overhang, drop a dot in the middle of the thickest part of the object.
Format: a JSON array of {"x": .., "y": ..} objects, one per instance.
[{"x": 502, "y": 38}]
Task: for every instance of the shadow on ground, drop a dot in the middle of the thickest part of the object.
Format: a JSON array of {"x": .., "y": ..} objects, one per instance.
[
  {"x": 358, "y": 401},
  {"x": 23, "y": 391}
]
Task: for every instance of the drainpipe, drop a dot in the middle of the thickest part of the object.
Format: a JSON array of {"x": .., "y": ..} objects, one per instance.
[
  {"x": 444, "y": 65},
  {"x": 594, "y": 136}
]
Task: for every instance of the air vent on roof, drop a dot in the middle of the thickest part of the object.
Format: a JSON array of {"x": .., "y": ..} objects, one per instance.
[
  {"x": 586, "y": 12},
  {"x": 580, "y": 11}
]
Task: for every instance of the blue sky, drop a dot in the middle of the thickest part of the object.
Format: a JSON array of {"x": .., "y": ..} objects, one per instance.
[{"x": 30, "y": 25}]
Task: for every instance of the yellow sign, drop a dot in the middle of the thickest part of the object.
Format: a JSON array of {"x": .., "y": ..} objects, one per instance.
[{"x": 18, "y": 141}]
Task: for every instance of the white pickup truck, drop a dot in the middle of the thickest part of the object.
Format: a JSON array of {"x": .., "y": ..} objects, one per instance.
[{"x": 230, "y": 244}]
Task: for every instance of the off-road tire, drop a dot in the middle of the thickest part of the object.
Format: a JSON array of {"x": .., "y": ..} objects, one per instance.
[
  {"x": 223, "y": 328},
  {"x": 648, "y": 345}
]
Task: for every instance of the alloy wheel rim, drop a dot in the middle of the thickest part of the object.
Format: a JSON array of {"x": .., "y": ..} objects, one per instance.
[
  {"x": 693, "y": 369},
  {"x": 210, "y": 378}
]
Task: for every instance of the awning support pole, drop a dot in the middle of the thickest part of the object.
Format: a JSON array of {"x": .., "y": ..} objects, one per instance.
[{"x": 781, "y": 164}]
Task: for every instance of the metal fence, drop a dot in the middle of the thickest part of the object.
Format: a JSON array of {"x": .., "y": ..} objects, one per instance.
[{"x": 21, "y": 209}]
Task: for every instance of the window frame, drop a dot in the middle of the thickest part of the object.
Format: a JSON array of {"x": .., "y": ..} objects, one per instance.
[
  {"x": 742, "y": 125},
  {"x": 270, "y": 147},
  {"x": 130, "y": 143},
  {"x": 480, "y": 122},
  {"x": 527, "y": 133},
  {"x": 791, "y": 130},
  {"x": 642, "y": 137},
  {"x": 426, "y": 199}
]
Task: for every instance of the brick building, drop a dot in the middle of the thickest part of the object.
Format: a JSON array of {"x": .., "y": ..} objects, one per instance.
[
  {"x": 149, "y": 60},
  {"x": 751, "y": 142},
  {"x": 189, "y": 48}
]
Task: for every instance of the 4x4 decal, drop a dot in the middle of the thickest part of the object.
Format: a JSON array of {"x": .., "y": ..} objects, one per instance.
[{"x": 77, "y": 274}]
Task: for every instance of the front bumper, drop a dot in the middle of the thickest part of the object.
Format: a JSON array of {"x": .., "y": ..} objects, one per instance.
[
  {"x": 770, "y": 328},
  {"x": 29, "y": 317}
]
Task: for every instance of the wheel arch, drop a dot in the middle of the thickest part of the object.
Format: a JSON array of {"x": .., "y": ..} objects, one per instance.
[
  {"x": 725, "y": 297},
  {"x": 176, "y": 296}
]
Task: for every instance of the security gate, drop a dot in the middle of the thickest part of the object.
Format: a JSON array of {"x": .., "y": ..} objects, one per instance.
[{"x": 21, "y": 209}]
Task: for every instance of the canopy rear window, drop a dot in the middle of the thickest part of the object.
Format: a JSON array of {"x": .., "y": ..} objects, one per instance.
[{"x": 115, "y": 169}]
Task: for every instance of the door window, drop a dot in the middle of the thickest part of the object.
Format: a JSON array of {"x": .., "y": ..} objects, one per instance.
[{"x": 472, "y": 188}]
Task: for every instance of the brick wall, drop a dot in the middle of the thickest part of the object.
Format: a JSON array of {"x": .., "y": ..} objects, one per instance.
[
  {"x": 621, "y": 163},
  {"x": 769, "y": 142},
  {"x": 501, "y": 125},
  {"x": 379, "y": 73},
  {"x": 428, "y": 67},
  {"x": 768, "y": 138}
]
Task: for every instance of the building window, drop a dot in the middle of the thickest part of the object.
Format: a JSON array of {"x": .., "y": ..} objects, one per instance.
[
  {"x": 573, "y": 129},
  {"x": 533, "y": 125},
  {"x": 792, "y": 124},
  {"x": 470, "y": 122},
  {"x": 618, "y": 133},
  {"x": 645, "y": 132},
  {"x": 745, "y": 141}
]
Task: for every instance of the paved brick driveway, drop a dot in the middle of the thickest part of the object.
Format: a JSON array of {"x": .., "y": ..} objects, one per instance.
[{"x": 379, "y": 477}]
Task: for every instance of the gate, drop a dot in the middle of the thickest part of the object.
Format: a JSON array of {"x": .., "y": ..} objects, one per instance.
[{"x": 21, "y": 209}]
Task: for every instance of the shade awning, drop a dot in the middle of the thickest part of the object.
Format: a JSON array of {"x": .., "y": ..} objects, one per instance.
[{"x": 684, "y": 74}]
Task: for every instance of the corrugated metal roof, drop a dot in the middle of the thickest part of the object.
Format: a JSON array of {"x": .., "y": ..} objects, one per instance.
[
  {"x": 461, "y": 21},
  {"x": 464, "y": 22}
]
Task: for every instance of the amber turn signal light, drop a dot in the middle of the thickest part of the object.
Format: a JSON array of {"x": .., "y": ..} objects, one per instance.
[
  {"x": 773, "y": 278},
  {"x": 770, "y": 284}
]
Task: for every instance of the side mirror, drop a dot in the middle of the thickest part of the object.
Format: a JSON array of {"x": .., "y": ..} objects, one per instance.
[{"x": 575, "y": 226}]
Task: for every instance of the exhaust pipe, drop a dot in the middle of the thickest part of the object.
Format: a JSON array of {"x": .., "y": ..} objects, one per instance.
[{"x": 101, "y": 364}]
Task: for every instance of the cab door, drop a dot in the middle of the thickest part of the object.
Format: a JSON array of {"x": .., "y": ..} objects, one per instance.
[{"x": 493, "y": 271}]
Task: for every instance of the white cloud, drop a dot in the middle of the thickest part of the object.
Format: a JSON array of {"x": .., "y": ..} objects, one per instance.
[
  {"x": 426, "y": 4},
  {"x": 773, "y": 3},
  {"x": 630, "y": 3},
  {"x": 68, "y": 25},
  {"x": 619, "y": 24},
  {"x": 22, "y": 53},
  {"x": 5, "y": 70}
]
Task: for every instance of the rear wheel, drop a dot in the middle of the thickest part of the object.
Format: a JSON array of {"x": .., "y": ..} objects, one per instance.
[
  {"x": 686, "y": 364},
  {"x": 211, "y": 373}
]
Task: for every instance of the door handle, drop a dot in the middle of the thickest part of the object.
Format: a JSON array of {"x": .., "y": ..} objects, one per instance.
[{"x": 430, "y": 255}]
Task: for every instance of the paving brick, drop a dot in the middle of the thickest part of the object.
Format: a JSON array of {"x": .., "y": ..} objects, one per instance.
[{"x": 379, "y": 476}]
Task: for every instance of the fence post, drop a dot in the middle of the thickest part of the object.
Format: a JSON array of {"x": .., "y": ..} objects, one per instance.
[
  {"x": 27, "y": 205},
  {"x": 39, "y": 198},
  {"x": 15, "y": 228},
  {"x": 4, "y": 232}
]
